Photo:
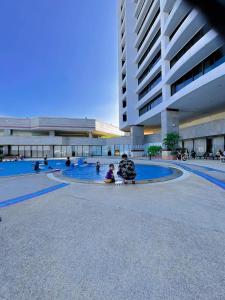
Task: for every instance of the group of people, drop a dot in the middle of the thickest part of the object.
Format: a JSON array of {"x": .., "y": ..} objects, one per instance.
[
  {"x": 126, "y": 171},
  {"x": 184, "y": 154},
  {"x": 192, "y": 154},
  {"x": 37, "y": 164}
]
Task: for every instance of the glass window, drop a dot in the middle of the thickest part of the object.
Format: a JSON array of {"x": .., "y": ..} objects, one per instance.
[
  {"x": 86, "y": 151},
  {"x": 69, "y": 151},
  {"x": 117, "y": 150},
  {"x": 21, "y": 150},
  {"x": 64, "y": 151},
  {"x": 27, "y": 151},
  {"x": 40, "y": 151},
  {"x": 57, "y": 151},
  {"x": 34, "y": 151},
  {"x": 105, "y": 150},
  {"x": 210, "y": 63},
  {"x": 79, "y": 151},
  {"x": 96, "y": 150},
  {"x": 14, "y": 150},
  {"x": 47, "y": 151}
]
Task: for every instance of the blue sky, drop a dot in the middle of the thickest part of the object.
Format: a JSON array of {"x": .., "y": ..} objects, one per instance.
[{"x": 59, "y": 58}]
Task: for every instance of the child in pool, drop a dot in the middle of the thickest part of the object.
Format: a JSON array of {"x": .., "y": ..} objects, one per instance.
[{"x": 109, "y": 178}]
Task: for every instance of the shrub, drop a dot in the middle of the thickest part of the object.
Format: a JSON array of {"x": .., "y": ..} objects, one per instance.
[
  {"x": 154, "y": 150},
  {"x": 171, "y": 141}
]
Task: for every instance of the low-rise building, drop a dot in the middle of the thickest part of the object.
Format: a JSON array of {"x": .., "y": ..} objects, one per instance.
[{"x": 60, "y": 137}]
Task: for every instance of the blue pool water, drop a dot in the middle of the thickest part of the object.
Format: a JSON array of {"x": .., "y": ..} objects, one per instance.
[
  {"x": 83, "y": 172},
  {"x": 26, "y": 167},
  {"x": 88, "y": 172}
]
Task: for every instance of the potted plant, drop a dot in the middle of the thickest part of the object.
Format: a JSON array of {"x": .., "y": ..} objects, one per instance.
[
  {"x": 153, "y": 151},
  {"x": 1, "y": 156},
  {"x": 171, "y": 141}
]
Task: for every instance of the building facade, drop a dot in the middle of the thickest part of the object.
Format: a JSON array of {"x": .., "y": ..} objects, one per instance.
[
  {"x": 171, "y": 74},
  {"x": 60, "y": 137}
]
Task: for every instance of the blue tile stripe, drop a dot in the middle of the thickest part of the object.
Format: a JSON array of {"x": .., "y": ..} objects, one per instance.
[
  {"x": 212, "y": 179},
  {"x": 32, "y": 195}
]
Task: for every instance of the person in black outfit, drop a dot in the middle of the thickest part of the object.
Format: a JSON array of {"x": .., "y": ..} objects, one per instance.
[
  {"x": 126, "y": 169},
  {"x": 45, "y": 160},
  {"x": 68, "y": 162},
  {"x": 37, "y": 166},
  {"x": 193, "y": 154},
  {"x": 98, "y": 167}
]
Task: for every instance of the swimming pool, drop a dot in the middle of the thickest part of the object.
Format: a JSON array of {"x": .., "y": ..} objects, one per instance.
[
  {"x": 144, "y": 172},
  {"x": 86, "y": 172},
  {"x": 12, "y": 168}
]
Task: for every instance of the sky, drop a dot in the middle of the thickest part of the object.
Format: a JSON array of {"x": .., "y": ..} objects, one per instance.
[{"x": 59, "y": 58}]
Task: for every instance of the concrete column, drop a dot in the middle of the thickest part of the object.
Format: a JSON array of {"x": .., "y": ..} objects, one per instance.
[
  {"x": 169, "y": 122},
  {"x": 137, "y": 140},
  {"x": 90, "y": 134}
]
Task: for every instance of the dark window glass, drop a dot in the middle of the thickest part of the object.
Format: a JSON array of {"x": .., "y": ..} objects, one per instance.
[
  {"x": 149, "y": 48},
  {"x": 179, "y": 25},
  {"x": 210, "y": 63},
  {"x": 192, "y": 41},
  {"x": 148, "y": 10},
  {"x": 151, "y": 104},
  {"x": 149, "y": 67},
  {"x": 149, "y": 28},
  {"x": 150, "y": 86}
]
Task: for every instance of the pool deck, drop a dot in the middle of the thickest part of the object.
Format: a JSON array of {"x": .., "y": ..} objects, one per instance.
[{"x": 85, "y": 241}]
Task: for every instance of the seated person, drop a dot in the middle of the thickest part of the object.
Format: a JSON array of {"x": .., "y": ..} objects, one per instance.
[
  {"x": 193, "y": 154},
  {"x": 178, "y": 155},
  {"x": 37, "y": 166},
  {"x": 127, "y": 169},
  {"x": 98, "y": 167},
  {"x": 109, "y": 178},
  {"x": 68, "y": 162},
  {"x": 205, "y": 155}
]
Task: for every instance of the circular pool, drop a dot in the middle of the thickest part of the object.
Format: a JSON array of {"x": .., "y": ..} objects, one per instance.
[
  {"x": 145, "y": 173},
  {"x": 87, "y": 172}
]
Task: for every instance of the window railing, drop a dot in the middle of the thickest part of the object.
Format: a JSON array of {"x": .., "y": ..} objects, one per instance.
[
  {"x": 179, "y": 25},
  {"x": 150, "y": 105},
  {"x": 191, "y": 43},
  {"x": 149, "y": 28},
  {"x": 150, "y": 86},
  {"x": 145, "y": 17},
  {"x": 149, "y": 67},
  {"x": 149, "y": 48},
  {"x": 210, "y": 63}
]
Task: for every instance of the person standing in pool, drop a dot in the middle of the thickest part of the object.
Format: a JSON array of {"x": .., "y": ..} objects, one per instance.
[
  {"x": 68, "y": 162},
  {"x": 37, "y": 166},
  {"x": 98, "y": 167},
  {"x": 109, "y": 178},
  {"x": 45, "y": 160},
  {"x": 126, "y": 169}
]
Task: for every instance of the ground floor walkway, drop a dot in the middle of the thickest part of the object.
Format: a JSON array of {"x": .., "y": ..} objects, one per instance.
[{"x": 87, "y": 241}]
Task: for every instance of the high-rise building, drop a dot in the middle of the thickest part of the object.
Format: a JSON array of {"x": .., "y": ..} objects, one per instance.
[{"x": 171, "y": 74}]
